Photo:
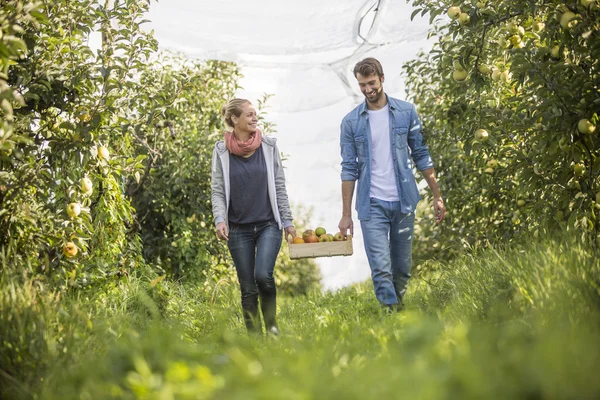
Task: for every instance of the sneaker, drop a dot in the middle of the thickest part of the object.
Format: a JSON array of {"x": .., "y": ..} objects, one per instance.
[{"x": 273, "y": 331}]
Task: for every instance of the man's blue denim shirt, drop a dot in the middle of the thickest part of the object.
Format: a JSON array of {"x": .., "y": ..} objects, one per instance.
[{"x": 406, "y": 142}]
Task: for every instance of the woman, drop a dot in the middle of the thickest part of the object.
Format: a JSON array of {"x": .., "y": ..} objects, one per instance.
[{"x": 250, "y": 208}]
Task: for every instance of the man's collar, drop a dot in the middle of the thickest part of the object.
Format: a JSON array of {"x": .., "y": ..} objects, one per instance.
[{"x": 363, "y": 107}]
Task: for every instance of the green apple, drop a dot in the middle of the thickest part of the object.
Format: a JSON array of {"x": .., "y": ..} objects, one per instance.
[
  {"x": 457, "y": 65},
  {"x": 520, "y": 202},
  {"x": 585, "y": 126},
  {"x": 484, "y": 69},
  {"x": 453, "y": 12},
  {"x": 538, "y": 26},
  {"x": 481, "y": 135},
  {"x": 496, "y": 74},
  {"x": 73, "y": 210},
  {"x": 464, "y": 19},
  {"x": 338, "y": 237},
  {"x": 103, "y": 153},
  {"x": 579, "y": 169},
  {"x": 555, "y": 51},
  {"x": 515, "y": 40},
  {"x": 86, "y": 185},
  {"x": 459, "y": 75},
  {"x": 567, "y": 20}
]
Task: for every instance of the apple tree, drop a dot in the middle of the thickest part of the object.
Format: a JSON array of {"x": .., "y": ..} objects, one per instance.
[{"x": 509, "y": 97}]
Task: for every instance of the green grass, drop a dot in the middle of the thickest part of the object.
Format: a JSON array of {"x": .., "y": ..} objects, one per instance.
[{"x": 517, "y": 323}]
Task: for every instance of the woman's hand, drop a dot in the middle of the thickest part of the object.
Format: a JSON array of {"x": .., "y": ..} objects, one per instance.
[
  {"x": 222, "y": 233},
  {"x": 290, "y": 233}
]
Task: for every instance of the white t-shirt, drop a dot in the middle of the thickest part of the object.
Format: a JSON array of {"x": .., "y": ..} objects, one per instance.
[{"x": 383, "y": 178}]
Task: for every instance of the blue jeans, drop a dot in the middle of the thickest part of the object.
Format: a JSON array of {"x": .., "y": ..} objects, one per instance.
[
  {"x": 388, "y": 243},
  {"x": 254, "y": 248}
]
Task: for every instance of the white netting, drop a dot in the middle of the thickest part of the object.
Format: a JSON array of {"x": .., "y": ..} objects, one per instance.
[{"x": 303, "y": 52}]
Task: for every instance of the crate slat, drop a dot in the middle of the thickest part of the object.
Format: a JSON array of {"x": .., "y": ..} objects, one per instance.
[{"x": 325, "y": 249}]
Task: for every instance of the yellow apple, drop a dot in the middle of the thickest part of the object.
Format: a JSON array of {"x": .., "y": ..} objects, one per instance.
[
  {"x": 73, "y": 210},
  {"x": 515, "y": 40},
  {"x": 459, "y": 75},
  {"x": 464, "y": 19},
  {"x": 585, "y": 126},
  {"x": 492, "y": 163},
  {"x": 70, "y": 250},
  {"x": 538, "y": 26},
  {"x": 103, "y": 153},
  {"x": 567, "y": 20},
  {"x": 85, "y": 117},
  {"x": 481, "y": 135},
  {"x": 453, "y": 12},
  {"x": 86, "y": 185},
  {"x": 489, "y": 170},
  {"x": 324, "y": 238}
]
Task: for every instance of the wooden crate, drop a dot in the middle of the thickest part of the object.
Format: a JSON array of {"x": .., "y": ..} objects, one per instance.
[{"x": 325, "y": 249}]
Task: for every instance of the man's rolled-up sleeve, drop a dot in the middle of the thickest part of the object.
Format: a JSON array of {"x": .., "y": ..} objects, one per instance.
[
  {"x": 348, "y": 152},
  {"x": 419, "y": 151}
]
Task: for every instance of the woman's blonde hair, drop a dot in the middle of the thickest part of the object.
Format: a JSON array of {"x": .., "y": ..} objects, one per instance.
[{"x": 233, "y": 107}]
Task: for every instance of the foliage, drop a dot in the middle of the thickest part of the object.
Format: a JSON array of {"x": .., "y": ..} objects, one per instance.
[
  {"x": 172, "y": 196},
  {"x": 124, "y": 132},
  {"x": 530, "y": 77},
  {"x": 74, "y": 104}
]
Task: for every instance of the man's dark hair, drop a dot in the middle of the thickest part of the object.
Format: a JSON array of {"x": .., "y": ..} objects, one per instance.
[{"x": 368, "y": 66}]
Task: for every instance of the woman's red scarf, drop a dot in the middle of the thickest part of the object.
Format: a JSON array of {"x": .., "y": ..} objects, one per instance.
[{"x": 244, "y": 149}]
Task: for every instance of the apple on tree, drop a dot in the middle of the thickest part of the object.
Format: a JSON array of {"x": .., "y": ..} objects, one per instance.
[
  {"x": 484, "y": 69},
  {"x": 86, "y": 185},
  {"x": 585, "y": 126},
  {"x": 70, "y": 249},
  {"x": 568, "y": 20},
  {"x": 453, "y": 12},
  {"x": 73, "y": 210},
  {"x": 103, "y": 153},
  {"x": 481, "y": 135},
  {"x": 459, "y": 75}
]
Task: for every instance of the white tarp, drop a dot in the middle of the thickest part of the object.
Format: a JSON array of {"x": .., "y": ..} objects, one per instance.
[{"x": 303, "y": 52}]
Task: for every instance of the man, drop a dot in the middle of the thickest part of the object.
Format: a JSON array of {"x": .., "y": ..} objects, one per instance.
[{"x": 378, "y": 139}]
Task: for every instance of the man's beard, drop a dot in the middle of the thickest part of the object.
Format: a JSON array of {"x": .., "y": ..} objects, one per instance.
[{"x": 377, "y": 96}]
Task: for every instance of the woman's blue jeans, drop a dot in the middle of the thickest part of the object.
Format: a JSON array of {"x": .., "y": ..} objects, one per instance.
[{"x": 254, "y": 248}]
